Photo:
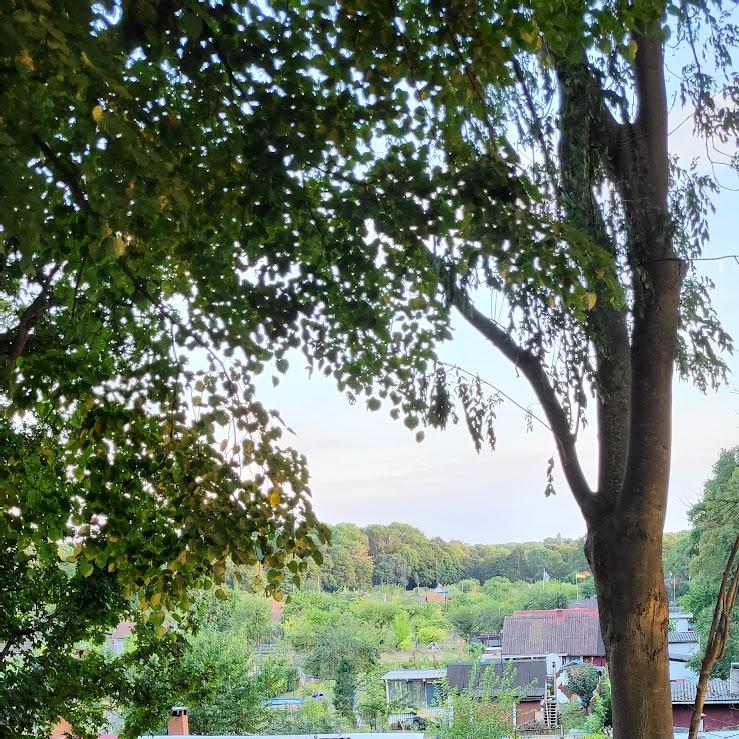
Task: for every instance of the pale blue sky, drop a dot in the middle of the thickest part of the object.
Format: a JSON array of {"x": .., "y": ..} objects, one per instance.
[{"x": 367, "y": 468}]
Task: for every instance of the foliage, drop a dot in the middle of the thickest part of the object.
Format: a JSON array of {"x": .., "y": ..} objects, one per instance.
[
  {"x": 345, "y": 689},
  {"x": 572, "y": 716},
  {"x": 341, "y": 640},
  {"x": 244, "y": 614},
  {"x": 212, "y": 184},
  {"x": 402, "y": 631},
  {"x": 312, "y": 718},
  {"x": 213, "y": 673},
  {"x": 432, "y": 634},
  {"x": 347, "y": 564},
  {"x": 482, "y": 711},
  {"x": 715, "y": 527},
  {"x": 583, "y": 681},
  {"x": 373, "y": 706},
  {"x": 601, "y": 709}
]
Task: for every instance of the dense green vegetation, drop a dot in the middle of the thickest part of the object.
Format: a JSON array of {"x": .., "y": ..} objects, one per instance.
[
  {"x": 399, "y": 554},
  {"x": 715, "y": 520}
]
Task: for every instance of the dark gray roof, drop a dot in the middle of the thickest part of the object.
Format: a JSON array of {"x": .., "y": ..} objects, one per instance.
[
  {"x": 414, "y": 675},
  {"x": 719, "y": 691},
  {"x": 574, "y": 632},
  {"x": 682, "y": 637},
  {"x": 529, "y": 679}
]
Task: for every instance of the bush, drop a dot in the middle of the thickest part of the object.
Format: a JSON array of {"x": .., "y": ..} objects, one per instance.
[{"x": 431, "y": 634}]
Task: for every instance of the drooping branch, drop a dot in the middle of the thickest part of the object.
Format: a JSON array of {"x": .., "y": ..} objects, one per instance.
[
  {"x": 717, "y": 635},
  {"x": 533, "y": 370}
]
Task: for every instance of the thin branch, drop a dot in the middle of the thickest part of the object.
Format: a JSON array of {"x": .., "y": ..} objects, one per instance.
[
  {"x": 498, "y": 391},
  {"x": 536, "y": 130},
  {"x": 66, "y": 173},
  {"x": 533, "y": 370},
  {"x": 28, "y": 319},
  {"x": 717, "y": 636}
]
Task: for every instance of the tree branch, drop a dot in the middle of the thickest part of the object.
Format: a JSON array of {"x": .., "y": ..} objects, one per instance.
[
  {"x": 66, "y": 174},
  {"x": 717, "y": 636},
  {"x": 533, "y": 371},
  {"x": 27, "y": 321}
]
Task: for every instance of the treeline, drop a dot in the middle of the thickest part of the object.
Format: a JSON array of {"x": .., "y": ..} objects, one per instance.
[{"x": 399, "y": 554}]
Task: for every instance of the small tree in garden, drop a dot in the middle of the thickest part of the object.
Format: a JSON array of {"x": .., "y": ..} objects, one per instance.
[
  {"x": 484, "y": 710},
  {"x": 345, "y": 689},
  {"x": 583, "y": 681}
]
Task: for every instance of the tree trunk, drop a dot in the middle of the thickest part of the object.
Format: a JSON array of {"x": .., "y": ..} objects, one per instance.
[{"x": 625, "y": 554}]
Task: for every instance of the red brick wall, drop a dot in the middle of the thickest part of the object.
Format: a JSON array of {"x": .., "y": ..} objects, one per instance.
[{"x": 716, "y": 716}]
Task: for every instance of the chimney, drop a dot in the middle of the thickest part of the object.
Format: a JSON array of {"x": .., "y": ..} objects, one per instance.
[
  {"x": 734, "y": 678},
  {"x": 178, "y": 724}
]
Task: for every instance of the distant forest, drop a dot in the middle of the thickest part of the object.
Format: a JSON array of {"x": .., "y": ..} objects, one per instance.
[{"x": 399, "y": 554}]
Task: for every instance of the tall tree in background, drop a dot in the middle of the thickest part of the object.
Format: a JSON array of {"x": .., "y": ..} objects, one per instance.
[{"x": 191, "y": 179}]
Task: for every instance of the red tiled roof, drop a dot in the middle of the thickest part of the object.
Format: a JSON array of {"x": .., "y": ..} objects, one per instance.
[{"x": 573, "y": 632}]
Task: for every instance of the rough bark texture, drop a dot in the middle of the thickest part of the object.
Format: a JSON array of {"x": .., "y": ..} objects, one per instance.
[
  {"x": 717, "y": 636},
  {"x": 626, "y": 559}
]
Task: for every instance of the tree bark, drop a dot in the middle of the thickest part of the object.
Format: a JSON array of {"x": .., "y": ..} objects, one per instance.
[
  {"x": 717, "y": 636},
  {"x": 626, "y": 558}
]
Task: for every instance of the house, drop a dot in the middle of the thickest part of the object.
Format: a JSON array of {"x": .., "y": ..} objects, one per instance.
[
  {"x": 682, "y": 645},
  {"x": 681, "y": 620},
  {"x": 491, "y": 642},
  {"x": 416, "y": 687},
  {"x": 117, "y": 638},
  {"x": 529, "y": 680},
  {"x": 562, "y": 636},
  {"x": 721, "y": 709}
]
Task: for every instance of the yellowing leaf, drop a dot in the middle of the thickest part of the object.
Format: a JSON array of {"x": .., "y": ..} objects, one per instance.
[
  {"x": 590, "y": 300},
  {"x": 26, "y": 60},
  {"x": 98, "y": 113},
  {"x": 631, "y": 50},
  {"x": 275, "y": 497},
  {"x": 156, "y": 599}
]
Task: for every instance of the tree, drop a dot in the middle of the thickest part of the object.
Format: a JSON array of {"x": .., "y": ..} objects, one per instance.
[
  {"x": 213, "y": 673},
  {"x": 583, "y": 681},
  {"x": 426, "y": 204},
  {"x": 345, "y": 689},
  {"x": 347, "y": 564},
  {"x": 344, "y": 639},
  {"x": 130, "y": 428},
  {"x": 373, "y": 705},
  {"x": 342, "y": 177}
]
